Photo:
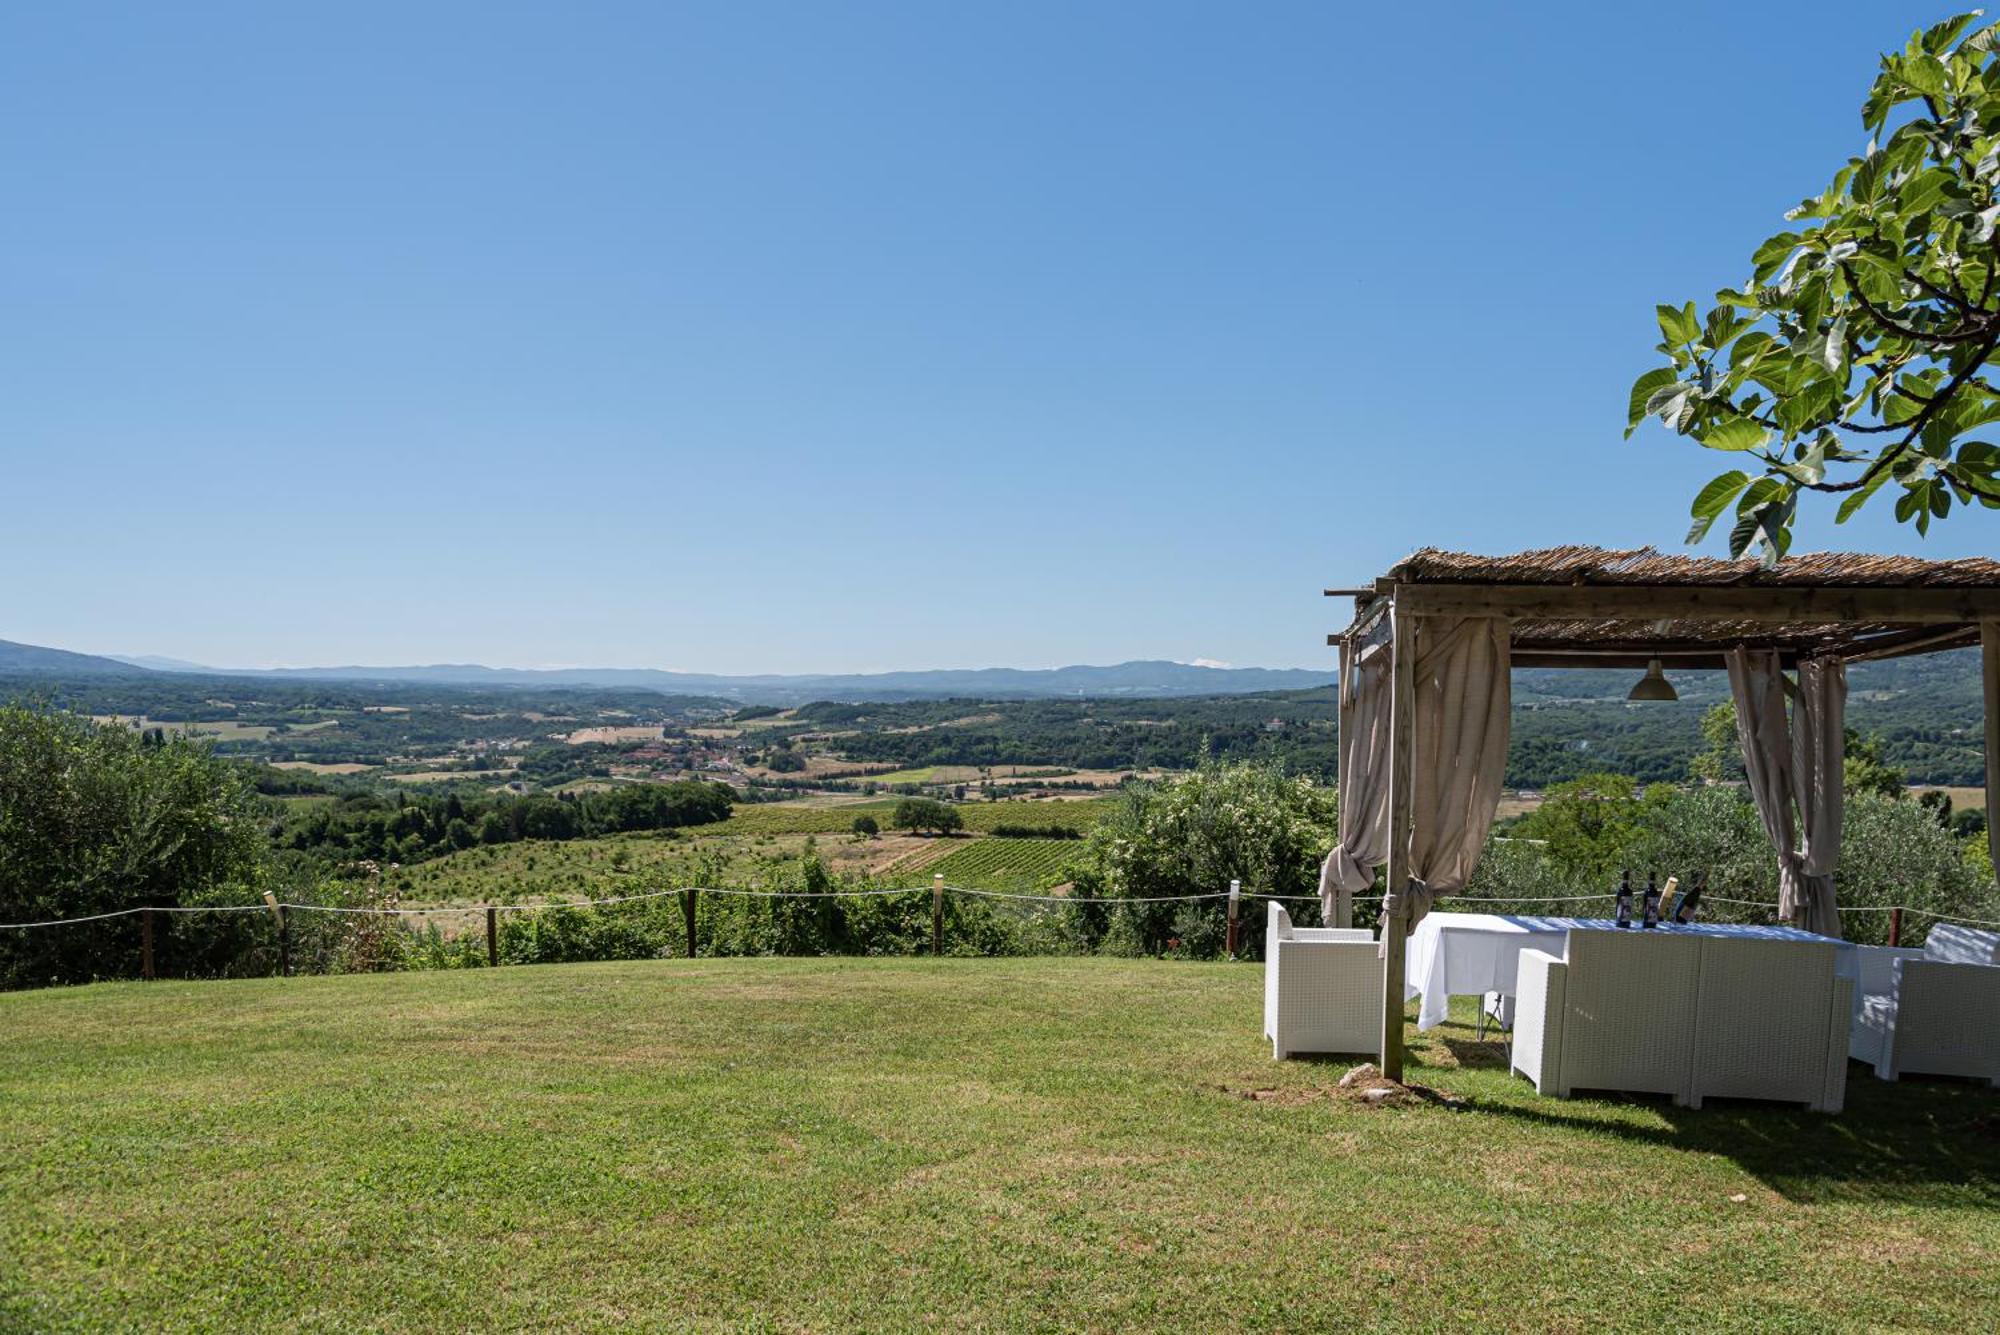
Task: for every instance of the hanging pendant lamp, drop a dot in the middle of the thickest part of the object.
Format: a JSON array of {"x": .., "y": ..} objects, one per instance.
[{"x": 1654, "y": 685}]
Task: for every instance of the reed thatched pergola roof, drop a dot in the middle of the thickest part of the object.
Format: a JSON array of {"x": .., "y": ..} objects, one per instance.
[{"x": 1602, "y": 607}]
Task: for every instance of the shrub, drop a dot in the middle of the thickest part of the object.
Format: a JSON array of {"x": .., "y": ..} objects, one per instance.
[
  {"x": 95, "y": 819},
  {"x": 1193, "y": 834}
]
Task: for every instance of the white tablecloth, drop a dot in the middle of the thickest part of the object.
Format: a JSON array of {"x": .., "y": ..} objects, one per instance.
[{"x": 1469, "y": 954}]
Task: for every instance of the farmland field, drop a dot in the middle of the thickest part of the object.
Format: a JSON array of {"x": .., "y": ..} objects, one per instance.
[
  {"x": 850, "y": 1144},
  {"x": 536, "y": 871},
  {"x": 1021, "y": 865},
  {"x": 752, "y": 846},
  {"x": 798, "y": 818},
  {"x": 221, "y": 730},
  {"x": 610, "y": 735}
]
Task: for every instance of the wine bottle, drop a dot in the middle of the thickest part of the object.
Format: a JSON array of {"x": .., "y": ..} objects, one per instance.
[
  {"x": 1652, "y": 918},
  {"x": 1625, "y": 898},
  {"x": 1691, "y": 901}
]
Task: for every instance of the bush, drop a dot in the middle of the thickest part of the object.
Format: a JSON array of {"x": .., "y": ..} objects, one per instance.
[
  {"x": 1192, "y": 835},
  {"x": 96, "y": 819},
  {"x": 866, "y": 827}
]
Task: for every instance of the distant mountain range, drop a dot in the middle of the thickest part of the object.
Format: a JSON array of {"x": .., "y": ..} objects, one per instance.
[{"x": 1137, "y": 679}]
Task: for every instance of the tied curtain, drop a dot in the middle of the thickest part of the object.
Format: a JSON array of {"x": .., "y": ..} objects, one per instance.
[
  {"x": 1364, "y": 781},
  {"x": 1795, "y": 774},
  {"x": 1458, "y": 756}
]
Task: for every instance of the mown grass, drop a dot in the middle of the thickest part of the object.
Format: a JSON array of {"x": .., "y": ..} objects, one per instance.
[{"x": 875, "y": 1144}]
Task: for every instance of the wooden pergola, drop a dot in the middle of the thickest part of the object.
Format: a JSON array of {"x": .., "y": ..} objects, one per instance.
[{"x": 1590, "y": 607}]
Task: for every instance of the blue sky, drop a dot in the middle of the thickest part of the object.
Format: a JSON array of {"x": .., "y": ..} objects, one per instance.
[{"x": 750, "y": 337}]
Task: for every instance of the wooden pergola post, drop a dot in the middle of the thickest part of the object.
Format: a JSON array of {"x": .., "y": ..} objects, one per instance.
[{"x": 1395, "y": 929}]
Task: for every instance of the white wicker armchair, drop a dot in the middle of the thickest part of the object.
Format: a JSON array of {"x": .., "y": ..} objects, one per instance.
[
  {"x": 1322, "y": 988},
  {"x": 1771, "y": 1023},
  {"x": 1934, "y": 1011}
]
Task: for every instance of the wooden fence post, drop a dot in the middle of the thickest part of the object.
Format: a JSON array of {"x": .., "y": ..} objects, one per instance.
[
  {"x": 146, "y": 944},
  {"x": 284, "y": 934},
  {"x": 937, "y": 914},
  {"x": 1235, "y": 899},
  {"x": 688, "y": 897},
  {"x": 492, "y": 937},
  {"x": 1896, "y": 925}
]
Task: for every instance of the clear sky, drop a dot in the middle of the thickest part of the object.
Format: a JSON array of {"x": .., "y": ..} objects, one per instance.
[{"x": 752, "y": 337}]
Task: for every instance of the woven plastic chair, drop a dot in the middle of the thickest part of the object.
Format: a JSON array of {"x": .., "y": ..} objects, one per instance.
[
  {"x": 1934, "y": 1011},
  {"x": 1616, "y": 1013},
  {"x": 1322, "y": 988}
]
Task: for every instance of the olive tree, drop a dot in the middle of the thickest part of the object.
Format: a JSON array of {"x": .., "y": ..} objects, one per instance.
[{"x": 1855, "y": 357}]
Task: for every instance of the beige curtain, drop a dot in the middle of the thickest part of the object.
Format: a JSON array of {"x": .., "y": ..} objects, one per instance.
[
  {"x": 1459, "y": 753},
  {"x": 1795, "y": 771},
  {"x": 1364, "y": 781}
]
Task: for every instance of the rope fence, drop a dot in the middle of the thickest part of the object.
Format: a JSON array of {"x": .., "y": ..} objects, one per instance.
[
  {"x": 288, "y": 906},
  {"x": 689, "y": 896}
]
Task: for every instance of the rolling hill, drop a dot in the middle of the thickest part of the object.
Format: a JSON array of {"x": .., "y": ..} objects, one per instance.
[{"x": 1142, "y": 679}]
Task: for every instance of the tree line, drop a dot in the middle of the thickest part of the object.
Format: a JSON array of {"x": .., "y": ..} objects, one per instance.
[{"x": 411, "y": 827}]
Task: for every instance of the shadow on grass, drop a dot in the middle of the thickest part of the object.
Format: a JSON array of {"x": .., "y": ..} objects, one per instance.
[{"x": 1917, "y": 1141}]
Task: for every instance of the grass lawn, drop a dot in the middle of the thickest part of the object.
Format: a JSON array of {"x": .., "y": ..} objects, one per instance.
[{"x": 882, "y": 1144}]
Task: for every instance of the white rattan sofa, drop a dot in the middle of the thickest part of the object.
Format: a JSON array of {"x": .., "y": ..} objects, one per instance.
[
  {"x": 1934, "y": 1011},
  {"x": 1322, "y": 988},
  {"x": 1685, "y": 1015}
]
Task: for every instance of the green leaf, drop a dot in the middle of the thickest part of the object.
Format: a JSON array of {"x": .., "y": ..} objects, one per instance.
[
  {"x": 1671, "y": 403},
  {"x": 1979, "y": 456},
  {"x": 1771, "y": 256},
  {"x": 1741, "y": 536},
  {"x": 1937, "y": 38},
  {"x": 1712, "y": 500},
  {"x": 1678, "y": 327},
  {"x": 1643, "y": 390},
  {"x": 1854, "y": 501},
  {"x": 1748, "y": 348},
  {"x": 1926, "y": 74},
  {"x": 1737, "y": 433},
  {"x": 1761, "y": 492}
]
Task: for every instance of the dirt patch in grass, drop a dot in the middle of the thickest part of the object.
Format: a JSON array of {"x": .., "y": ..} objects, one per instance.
[{"x": 1363, "y": 1085}]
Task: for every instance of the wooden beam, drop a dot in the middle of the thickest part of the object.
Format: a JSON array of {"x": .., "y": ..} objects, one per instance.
[
  {"x": 1402, "y": 701},
  {"x": 1989, "y": 644},
  {"x": 1902, "y": 644},
  {"x": 1677, "y": 662},
  {"x": 1766, "y": 604}
]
